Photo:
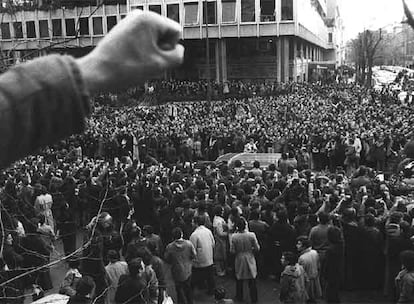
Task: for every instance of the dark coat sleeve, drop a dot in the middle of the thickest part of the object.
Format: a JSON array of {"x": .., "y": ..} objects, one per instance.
[{"x": 41, "y": 102}]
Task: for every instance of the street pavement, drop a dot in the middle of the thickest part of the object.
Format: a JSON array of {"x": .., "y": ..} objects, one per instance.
[{"x": 268, "y": 290}]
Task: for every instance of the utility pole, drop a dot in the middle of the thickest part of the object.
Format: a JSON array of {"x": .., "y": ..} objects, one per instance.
[{"x": 207, "y": 52}]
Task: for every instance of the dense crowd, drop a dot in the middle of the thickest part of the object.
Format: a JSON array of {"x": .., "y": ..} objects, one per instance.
[
  {"x": 334, "y": 213},
  {"x": 321, "y": 121}
]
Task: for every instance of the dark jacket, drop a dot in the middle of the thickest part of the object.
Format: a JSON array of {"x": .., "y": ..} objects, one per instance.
[
  {"x": 180, "y": 255},
  {"x": 11, "y": 257},
  {"x": 76, "y": 299},
  {"x": 130, "y": 289}
]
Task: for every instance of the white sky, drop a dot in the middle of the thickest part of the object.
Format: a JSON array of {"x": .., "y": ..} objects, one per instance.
[{"x": 370, "y": 14}]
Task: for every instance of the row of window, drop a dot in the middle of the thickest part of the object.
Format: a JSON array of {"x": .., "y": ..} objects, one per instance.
[
  {"x": 248, "y": 12},
  {"x": 79, "y": 27},
  {"x": 54, "y": 27}
]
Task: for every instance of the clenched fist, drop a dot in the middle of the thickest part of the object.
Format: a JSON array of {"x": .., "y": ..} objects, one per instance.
[{"x": 140, "y": 47}]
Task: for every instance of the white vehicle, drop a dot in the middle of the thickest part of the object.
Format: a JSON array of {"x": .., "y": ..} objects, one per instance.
[{"x": 53, "y": 298}]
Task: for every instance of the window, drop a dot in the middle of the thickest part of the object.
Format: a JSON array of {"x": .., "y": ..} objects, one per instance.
[
  {"x": 110, "y": 22},
  {"x": 247, "y": 11},
  {"x": 123, "y": 16},
  {"x": 84, "y": 26},
  {"x": 228, "y": 10},
  {"x": 70, "y": 27},
  {"x": 267, "y": 10},
  {"x": 287, "y": 9},
  {"x": 97, "y": 25},
  {"x": 57, "y": 27},
  {"x": 18, "y": 30},
  {"x": 5, "y": 31},
  {"x": 43, "y": 28},
  {"x": 156, "y": 8},
  {"x": 140, "y": 7},
  {"x": 211, "y": 12},
  {"x": 330, "y": 37},
  {"x": 30, "y": 29},
  {"x": 173, "y": 12},
  {"x": 191, "y": 13}
]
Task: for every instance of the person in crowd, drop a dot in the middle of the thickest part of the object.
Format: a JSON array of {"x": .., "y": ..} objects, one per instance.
[
  {"x": 130, "y": 230},
  {"x": 153, "y": 264},
  {"x": 333, "y": 271},
  {"x": 251, "y": 146},
  {"x": 114, "y": 270},
  {"x": 72, "y": 278},
  {"x": 318, "y": 236},
  {"x": 353, "y": 242},
  {"x": 221, "y": 241},
  {"x": 372, "y": 254},
  {"x": 203, "y": 265},
  {"x": 256, "y": 169},
  {"x": 46, "y": 231},
  {"x": 36, "y": 253},
  {"x": 138, "y": 286},
  {"x": 243, "y": 244},
  {"x": 66, "y": 229},
  {"x": 180, "y": 255},
  {"x": 309, "y": 259},
  {"x": 11, "y": 257},
  {"x": 93, "y": 264},
  {"x": 137, "y": 242},
  {"x": 261, "y": 229},
  {"x": 43, "y": 205},
  {"x": 405, "y": 279},
  {"x": 85, "y": 290},
  {"x": 293, "y": 280},
  {"x": 154, "y": 240},
  {"x": 282, "y": 238}
]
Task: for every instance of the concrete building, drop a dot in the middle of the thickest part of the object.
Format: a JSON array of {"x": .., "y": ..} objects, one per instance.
[
  {"x": 248, "y": 39},
  {"x": 279, "y": 40}
]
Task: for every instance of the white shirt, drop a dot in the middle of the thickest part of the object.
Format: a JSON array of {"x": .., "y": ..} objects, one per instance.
[
  {"x": 357, "y": 146},
  {"x": 203, "y": 241}
]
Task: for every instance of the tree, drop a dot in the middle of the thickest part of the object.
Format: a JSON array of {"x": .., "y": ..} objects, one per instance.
[
  {"x": 372, "y": 41},
  {"x": 364, "y": 49}
]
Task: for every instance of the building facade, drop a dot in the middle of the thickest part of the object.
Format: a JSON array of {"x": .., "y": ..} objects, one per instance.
[
  {"x": 246, "y": 39},
  {"x": 252, "y": 39}
]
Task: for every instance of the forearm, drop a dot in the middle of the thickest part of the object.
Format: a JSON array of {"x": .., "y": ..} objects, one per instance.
[
  {"x": 41, "y": 102},
  {"x": 94, "y": 73}
]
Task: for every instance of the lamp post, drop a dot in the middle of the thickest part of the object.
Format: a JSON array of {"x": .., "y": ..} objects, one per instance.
[{"x": 207, "y": 52}]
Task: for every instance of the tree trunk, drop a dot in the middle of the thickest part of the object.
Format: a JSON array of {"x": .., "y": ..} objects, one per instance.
[
  {"x": 363, "y": 73},
  {"x": 368, "y": 83}
]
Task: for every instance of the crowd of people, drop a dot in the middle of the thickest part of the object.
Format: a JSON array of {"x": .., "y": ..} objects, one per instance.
[
  {"x": 317, "y": 123},
  {"x": 335, "y": 213}
]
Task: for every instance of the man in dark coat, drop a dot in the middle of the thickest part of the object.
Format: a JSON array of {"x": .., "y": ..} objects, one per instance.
[
  {"x": 103, "y": 239},
  {"x": 36, "y": 253},
  {"x": 282, "y": 238},
  {"x": 139, "y": 286},
  {"x": 334, "y": 265}
]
